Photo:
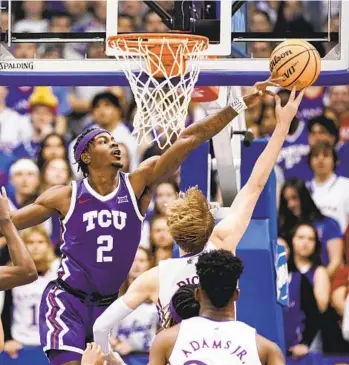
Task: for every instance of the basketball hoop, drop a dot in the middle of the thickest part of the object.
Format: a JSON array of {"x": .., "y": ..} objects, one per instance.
[{"x": 162, "y": 69}]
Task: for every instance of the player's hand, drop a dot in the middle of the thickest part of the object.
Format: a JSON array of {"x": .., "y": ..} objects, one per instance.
[
  {"x": 93, "y": 355},
  {"x": 260, "y": 89},
  {"x": 123, "y": 348},
  {"x": 284, "y": 115},
  {"x": 12, "y": 348},
  {"x": 113, "y": 358},
  {"x": 4, "y": 206},
  {"x": 299, "y": 351}
]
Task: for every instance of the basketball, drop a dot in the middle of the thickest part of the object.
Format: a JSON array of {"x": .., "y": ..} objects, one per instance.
[{"x": 297, "y": 61}]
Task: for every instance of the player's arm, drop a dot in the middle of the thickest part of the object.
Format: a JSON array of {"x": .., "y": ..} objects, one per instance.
[
  {"x": 47, "y": 204},
  {"x": 228, "y": 232},
  {"x": 269, "y": 352},
  {"x": 23, "y": 270},
  {"x": 162, "y": 346},
  {"x": 192, "y": 137},
  {"x": 140, "y": 291}
]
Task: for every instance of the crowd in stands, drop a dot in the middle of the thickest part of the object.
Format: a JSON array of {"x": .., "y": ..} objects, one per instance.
[{"x": 39, "y": 126}]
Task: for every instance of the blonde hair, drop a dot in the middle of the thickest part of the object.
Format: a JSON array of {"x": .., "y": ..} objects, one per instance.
[
  {"x": 190, "y": 220},
  {"x": 42, "y": 232}
]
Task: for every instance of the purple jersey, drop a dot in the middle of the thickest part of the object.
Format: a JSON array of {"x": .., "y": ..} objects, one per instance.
[
  {"x": 100, "y": 237},
  {"x": 311, "y": 107},
  {"x": 293, "y": 150}
]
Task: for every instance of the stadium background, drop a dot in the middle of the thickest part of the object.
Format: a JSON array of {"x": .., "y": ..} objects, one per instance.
[{"x": 38, "y": 127}]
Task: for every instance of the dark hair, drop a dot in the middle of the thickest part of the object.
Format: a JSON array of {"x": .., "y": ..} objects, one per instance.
[
  {"x": 81, "y": 165},
  {"x": 323, "y": 147},
  {"x": 219, "y": 272},
  {"x": 315, "y": 257},
  {"x": 106, "y": 95},
  {"x": 309, "y": 211},
  {"x": 40, "y": 160},
  {"x": 184, "y": 303}
]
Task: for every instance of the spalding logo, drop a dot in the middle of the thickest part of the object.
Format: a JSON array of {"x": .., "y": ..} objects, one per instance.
[
  {"x": 16, "y": 65},
  {"x": 277, "y": 59}
]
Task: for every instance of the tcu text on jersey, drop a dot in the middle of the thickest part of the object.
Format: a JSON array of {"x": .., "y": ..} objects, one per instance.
[{"x": 104, "y": 219}]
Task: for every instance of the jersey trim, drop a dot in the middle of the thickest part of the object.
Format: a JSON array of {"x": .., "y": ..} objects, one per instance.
[
  {"x": 98, "y": 196},
  {"x": 133, "y": 198},
  {"x": 72, "y": 203}
]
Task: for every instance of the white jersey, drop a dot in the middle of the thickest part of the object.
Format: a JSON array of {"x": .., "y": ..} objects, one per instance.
[
  {"x": 204, "y": 341},
  {"x": 26, "y": 303},
  {"x": 139, "y": 328},
  {"x": 174, "y": 273}
]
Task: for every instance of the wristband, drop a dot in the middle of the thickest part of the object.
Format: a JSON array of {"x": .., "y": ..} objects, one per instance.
[{"x": 238, "y": 105}]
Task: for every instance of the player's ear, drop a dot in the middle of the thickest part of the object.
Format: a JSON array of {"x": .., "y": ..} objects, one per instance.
[
  {"x": 86, "y": 158},
  {"x": 236, "y": 295},
  {"x": 197, "y": 294}
]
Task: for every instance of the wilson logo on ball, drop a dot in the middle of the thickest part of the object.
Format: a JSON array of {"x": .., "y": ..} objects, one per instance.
[
  {"x": 290, "y": 71},
  {"x": 277, "y": 59}
]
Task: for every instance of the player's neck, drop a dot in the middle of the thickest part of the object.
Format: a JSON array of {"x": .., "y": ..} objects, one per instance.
[
  {"x": 104, "y": 182},
  {"x": 217, "y": 314}
]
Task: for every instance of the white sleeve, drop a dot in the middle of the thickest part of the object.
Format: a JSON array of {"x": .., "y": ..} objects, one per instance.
[
  {"x": 345, "y": 323},
  {"x": 105, "y": 323}
]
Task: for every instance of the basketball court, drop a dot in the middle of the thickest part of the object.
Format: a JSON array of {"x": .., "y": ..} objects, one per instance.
[{"x": 223, "y": 59}]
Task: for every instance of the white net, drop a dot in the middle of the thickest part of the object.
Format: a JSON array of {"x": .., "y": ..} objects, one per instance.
[{"x": 162, "y": 78}]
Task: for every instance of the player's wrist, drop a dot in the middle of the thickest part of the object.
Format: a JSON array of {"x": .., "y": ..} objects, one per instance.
[{"x": 238, "y": 105}]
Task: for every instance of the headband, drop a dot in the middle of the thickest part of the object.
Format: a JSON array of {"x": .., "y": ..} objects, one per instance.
[
  {"x": 86, "y": 140},
  {"x": 175, "y": 316}
]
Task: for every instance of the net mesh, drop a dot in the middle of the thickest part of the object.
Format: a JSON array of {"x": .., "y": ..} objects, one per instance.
[{"x": 162, "y": 79}]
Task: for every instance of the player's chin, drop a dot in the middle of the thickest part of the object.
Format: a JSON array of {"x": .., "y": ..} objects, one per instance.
[{"x": 117, "y": 164}]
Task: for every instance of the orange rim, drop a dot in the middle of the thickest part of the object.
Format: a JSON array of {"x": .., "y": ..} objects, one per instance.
[{"x": 152, "y": 40}]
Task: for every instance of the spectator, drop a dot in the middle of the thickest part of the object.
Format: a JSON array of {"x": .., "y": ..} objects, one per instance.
[
  {"x": 339, "y": 301},
  {"x": 165, "y": 193},
  {"x": 33, "y": 21},
  {"x": 260, "y": 22},
  {"x": 125, "y": 157},
  {"x": 52, "y": 146},
  {"x": 312, "y": 104},
  {"x": 329, "y": 191},
  {"x": 26, "y": 50},
  {"x": 297, "y": 205},
  {"x": 14, "y": 129},
  {"x": 21, "y": 312},
  {"x": 61, "y": 22},
  {"x": 160, "y": 239},
  {"x": 153, "y": 23},
  {"x": 56, "y": 171},
  {"x": 261, "y": 49},
  {"x": 135, "y": 9},
  {"x": 309, "y": 291},
  {"x": 107, "y": 114},
  {"x": 137, "y": 331},
  {"x": 25, "y": 178},
  {"x": 339, "y": 105},
  {"x": 43, "y": 110},
  {"x": 126, "y": 23}
]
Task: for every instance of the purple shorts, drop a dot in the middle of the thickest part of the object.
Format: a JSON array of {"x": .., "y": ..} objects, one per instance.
[{"x": 65, "y": 322}]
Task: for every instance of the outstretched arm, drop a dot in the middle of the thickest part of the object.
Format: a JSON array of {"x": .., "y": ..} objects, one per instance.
[
  {"x": 229, "y": 231},
  {"x": 190, "y": 139},
  {"x": 23, "y": 270},
  {"x": 141, "y": 290},
  {"x": 47, "y": 204}
]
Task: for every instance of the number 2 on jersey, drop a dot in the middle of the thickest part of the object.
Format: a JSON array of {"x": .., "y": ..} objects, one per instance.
[{"x": 107, "y": 242}]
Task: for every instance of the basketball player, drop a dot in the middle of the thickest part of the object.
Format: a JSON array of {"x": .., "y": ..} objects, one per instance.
[
  {"x": 101, "y": 219},
  {"x": 191, "y": 224},
  {"x": 23, "y": 270},
  {"x": 214, "y": 337}
]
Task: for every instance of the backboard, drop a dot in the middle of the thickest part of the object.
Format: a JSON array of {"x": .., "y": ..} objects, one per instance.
[{"x": 236, "y": 38}]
